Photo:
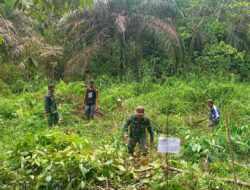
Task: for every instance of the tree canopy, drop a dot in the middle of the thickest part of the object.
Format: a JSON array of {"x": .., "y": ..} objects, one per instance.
[{"x": 120, "y": 36}]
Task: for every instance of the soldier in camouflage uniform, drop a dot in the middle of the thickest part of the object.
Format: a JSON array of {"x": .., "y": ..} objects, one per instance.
[
  {"x": 51, "y": 106},
  {"x": 135, "y": 130}
]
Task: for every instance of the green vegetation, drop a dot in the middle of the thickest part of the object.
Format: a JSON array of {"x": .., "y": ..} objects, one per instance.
[
  {"x": 81, "y": 154},
  {"x": 167, "y": 55}
]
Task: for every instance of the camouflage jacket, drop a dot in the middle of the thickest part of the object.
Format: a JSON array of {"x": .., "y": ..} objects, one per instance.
[
  {"x": 50, "y": 103},
  {"x": 136, "y": 127}
]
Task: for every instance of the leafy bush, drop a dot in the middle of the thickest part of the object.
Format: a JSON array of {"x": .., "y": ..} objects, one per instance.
[
  {"x": 82, "y": 155},
  {"x": 4, "y": 89},
  {"x": 46, "y": 157},
  {"x": 10, "y": 73},
  {"x": 225, "y": 57}
]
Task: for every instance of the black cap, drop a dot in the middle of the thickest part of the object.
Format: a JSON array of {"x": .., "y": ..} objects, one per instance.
[
  {"x": 51, "y": 86},
  {"x": 91, "y": 81}
]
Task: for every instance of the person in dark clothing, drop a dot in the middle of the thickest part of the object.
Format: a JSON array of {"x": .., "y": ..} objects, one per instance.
[
  {"x": 91, "y": 101},
  {"x": 134, "y": 130},
  {"x": 51, "y": 106}
]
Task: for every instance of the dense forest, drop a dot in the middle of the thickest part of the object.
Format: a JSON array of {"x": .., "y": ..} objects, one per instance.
[{"x": 169, "y": 56}]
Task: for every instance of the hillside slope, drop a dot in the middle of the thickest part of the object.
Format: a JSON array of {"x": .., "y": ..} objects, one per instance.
[{"x": 91, "y": 155}]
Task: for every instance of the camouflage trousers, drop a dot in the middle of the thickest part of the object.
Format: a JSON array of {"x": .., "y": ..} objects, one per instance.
[
  {"x": 142, "y": 145},
  {"x": 53, "y": 119}
]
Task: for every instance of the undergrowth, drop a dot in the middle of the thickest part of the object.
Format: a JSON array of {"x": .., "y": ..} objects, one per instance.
[{"x": 79, "y": 154}]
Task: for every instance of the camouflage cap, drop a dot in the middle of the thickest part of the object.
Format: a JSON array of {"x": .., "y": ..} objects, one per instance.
[{"x": 139, "y": 111}]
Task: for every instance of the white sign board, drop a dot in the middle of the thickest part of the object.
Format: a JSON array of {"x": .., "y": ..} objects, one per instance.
[{"x": 169, "y": 145}]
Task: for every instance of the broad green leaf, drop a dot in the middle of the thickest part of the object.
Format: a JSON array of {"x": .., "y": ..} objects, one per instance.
[
  {"x": 83, "y": 170},
  {"x": 48, "y": 178},
  {"x": 22, "y": 161},
  {"x": 121, "y": 168},
  {"x": 49, "y": 167},
  {"x": 198, "y": 148},
  {"x": 120, "y": 160},
  {"x": 108, "y": 162},
  {"x": 83, "y": 184},
  {"x": 101, "y": 178},
  {"x": 37, "y": 161}
]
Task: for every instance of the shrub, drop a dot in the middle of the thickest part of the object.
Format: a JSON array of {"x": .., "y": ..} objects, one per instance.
[
  {"x": 10, "y": 73},
  {"x": 4, "y": 89},
  {"x": 224, "y": 57}
]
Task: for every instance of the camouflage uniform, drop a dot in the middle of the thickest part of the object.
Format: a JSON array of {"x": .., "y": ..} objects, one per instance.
[
  {"x": 137, "y": 133},
  {"x": 51, "y": 109}
]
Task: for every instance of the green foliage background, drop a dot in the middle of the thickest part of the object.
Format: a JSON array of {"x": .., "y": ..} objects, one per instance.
[
  {"x": 81, "y": 155},
  {"x": 170, "y": 56}
]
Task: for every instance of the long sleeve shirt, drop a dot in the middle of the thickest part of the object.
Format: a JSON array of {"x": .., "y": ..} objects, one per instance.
[
  {"x": 136, "y": 127},
  {"x": 50, "y": 103}
]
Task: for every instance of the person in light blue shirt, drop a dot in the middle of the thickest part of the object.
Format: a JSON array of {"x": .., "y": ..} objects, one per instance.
[{"x": 214, "y": 114}]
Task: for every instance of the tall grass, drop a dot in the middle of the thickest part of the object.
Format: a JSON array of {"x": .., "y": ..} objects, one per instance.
[{"x": 24, "y": 133}]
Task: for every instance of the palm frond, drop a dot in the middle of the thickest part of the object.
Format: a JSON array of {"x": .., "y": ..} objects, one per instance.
[
  {"x": 160, "y": 8},
  {"x": 118, "y": 21},
  {"x": 11, "y": 40},
  {"x": 79, "y": 61},
  {"x": 163, "y": 29},
  {"x": 23, "y": 23},
  {"x": 45, "y": 52}
]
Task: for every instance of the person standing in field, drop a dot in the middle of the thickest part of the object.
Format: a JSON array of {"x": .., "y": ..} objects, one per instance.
[
  {"x": 134, "y": 131},
  {"x": 51, "y": 106},
  {"x": 214, "y": 114},
  {"x": 91, "y": 100}
]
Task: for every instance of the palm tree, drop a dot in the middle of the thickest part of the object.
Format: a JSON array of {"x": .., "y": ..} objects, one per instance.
[
  {"x": 120, "y": 21},
  {"x": 11, "y": 42},
  {"x": 17, "y": 36}
]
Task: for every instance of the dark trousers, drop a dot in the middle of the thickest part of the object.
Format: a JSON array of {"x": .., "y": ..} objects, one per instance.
[
  {"x": 142, "y": 145},
  {"x": 53, "y": 119}
]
